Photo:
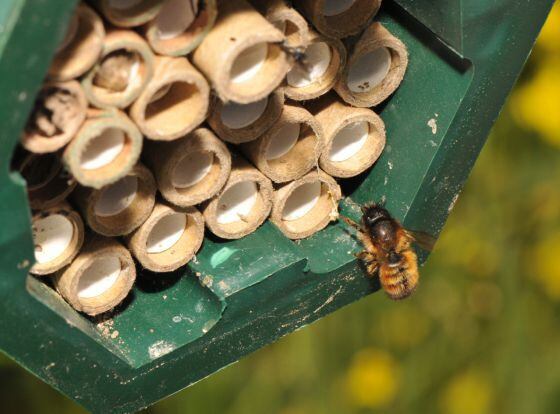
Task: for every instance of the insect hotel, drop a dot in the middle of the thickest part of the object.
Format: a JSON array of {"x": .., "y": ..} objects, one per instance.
[{"x": 183, "y": 181}]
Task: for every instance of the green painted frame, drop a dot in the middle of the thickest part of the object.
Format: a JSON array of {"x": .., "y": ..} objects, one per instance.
[{"x": 241, "y": 295}]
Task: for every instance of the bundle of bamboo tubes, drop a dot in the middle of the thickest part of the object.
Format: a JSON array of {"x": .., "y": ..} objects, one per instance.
[{"x": 159, "y": 119}]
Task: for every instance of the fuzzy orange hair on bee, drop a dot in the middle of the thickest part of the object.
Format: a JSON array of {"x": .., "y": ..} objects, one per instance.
[{"x": 388, "y": 250}]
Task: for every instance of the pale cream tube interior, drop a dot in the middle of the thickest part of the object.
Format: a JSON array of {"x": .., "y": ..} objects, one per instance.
[
  {"x": 237, "y": 116},
  {"x": 318, "y": 58},
  {"x": 175, "y": 17},
  {"x": 52, "y": 235},
  {"x": 166, "y": 233},
  {"x": 334, "y": 7},
  {"x": 349, "y": 141},
  {"x": 99, "y": 277},
  {"x": 192, "y": 169},
  {"x": 116, "y": 197},
  {"x": 103, "y": 149},
  {"x": 302, "y": 200},
  {"x": 283, "y": 141},
  {"x": 369, "y": 70},
  {"x": 237, "y": 202},
  {"x": 249, "y": 62}
]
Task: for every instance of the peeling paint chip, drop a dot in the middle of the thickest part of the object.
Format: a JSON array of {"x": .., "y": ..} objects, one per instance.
[
  {"x": 432, "y": 123},
  {"x": 160, "y": 348}
]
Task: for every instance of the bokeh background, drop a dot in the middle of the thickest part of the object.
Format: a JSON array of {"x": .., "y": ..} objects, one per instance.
[{"x": 479, "y": 337}]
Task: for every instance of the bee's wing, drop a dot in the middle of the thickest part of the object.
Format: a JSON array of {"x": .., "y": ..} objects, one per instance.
[{"x": 422, "y": 239}]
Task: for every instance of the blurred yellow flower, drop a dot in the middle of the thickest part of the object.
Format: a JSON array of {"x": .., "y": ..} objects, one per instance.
[
  {"x": 550, "y": 35},
  {"x": 544, "y": 267},
  {"x": 467, "y": 393},
  {"x": 536, "y": 105},
  {"x": 373, "y": 378}
]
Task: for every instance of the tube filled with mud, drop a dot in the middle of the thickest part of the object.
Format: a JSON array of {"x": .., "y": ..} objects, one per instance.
[
  {"x": 125, "y": 67},
  {"x": 59, "y": 111}
]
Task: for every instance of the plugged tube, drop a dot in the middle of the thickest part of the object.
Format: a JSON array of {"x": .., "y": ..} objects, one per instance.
[
  {"x": 119, "y": 208},
  {"x": 290, "y": 148},
  {"x": 241, "y": 56},
  {"x": 354, "y": 137},
  {"x": 58, "y": 235},
  {"x": 99, "y": 278},
  {"x": 60, "y": 110},
  {"x": 243, "y": 204},
  {"x": 180, "y": 26},
  {"x": 339, "y": 18},
  {"x": 305, "y": 206},
  {"x": 240, "y": 123},
  {"x": 122, "y": 72},
  {"x": 169, "y": 238},
  {"x": 375, "y": 68},
  {"x": 190, "y": 170},
  {"x": 104, "y": 150}
]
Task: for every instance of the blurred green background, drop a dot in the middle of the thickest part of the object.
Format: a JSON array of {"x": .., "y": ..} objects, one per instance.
[{"x": 480, "y": 336}]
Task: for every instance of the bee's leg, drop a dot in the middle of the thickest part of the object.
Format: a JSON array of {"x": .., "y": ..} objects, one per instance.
[
  {"x": 351, "y": 223},
  {"x": 372, "y": 268},
  {"x": 366, "y": 256}
]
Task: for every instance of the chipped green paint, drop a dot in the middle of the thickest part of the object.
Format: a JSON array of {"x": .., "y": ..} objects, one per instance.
[{"x": 238, "y": 296}]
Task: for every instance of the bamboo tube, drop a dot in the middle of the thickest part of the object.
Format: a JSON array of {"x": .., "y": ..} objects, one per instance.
[
  {"x": 242, "y": 205},
  {"x": 287, "y": 20},
  {"x": 174, "y": 103},
  {"x": 190, "y": 170},
  {"x": 58, "y": 235},
  {"x": 375, "y": 68},
  {"x": 241, "y": 56},
  {"x": 125, "y": 67},
  {"x": 129, "y": 13},
  {"x": 306, "y": 205},
  {"x": 181, "y": 25},
  {"x": 119, "y": 208},
  {"x": 339, "y": 18},
  {"x": 354, "y": 137},
  {"x": 168, "y": 239},
  {"x": 290, "y": 148},
  {"x": 99, "y": 278},
  {"x": 238, "y": 123},
  {"x": 48, "y": 184},
  {"x": 104, "y": 150},
  {"x": 81, "y": 47},
  {"x": 59, "y": 111},
  {"x": 325, "y": 59}
]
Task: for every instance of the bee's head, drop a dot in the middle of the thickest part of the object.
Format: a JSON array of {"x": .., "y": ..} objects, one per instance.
[{"x": 374, "y": 213}]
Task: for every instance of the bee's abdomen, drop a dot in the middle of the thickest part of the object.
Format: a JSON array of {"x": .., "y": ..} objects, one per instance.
[{"x": 400, "y": 281}]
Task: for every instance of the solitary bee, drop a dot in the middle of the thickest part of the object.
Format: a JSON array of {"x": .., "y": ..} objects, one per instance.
[{"x": 388, "y": 250}]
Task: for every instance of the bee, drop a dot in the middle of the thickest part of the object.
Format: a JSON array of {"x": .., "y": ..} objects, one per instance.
[{"x": 388, "y": 250}]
